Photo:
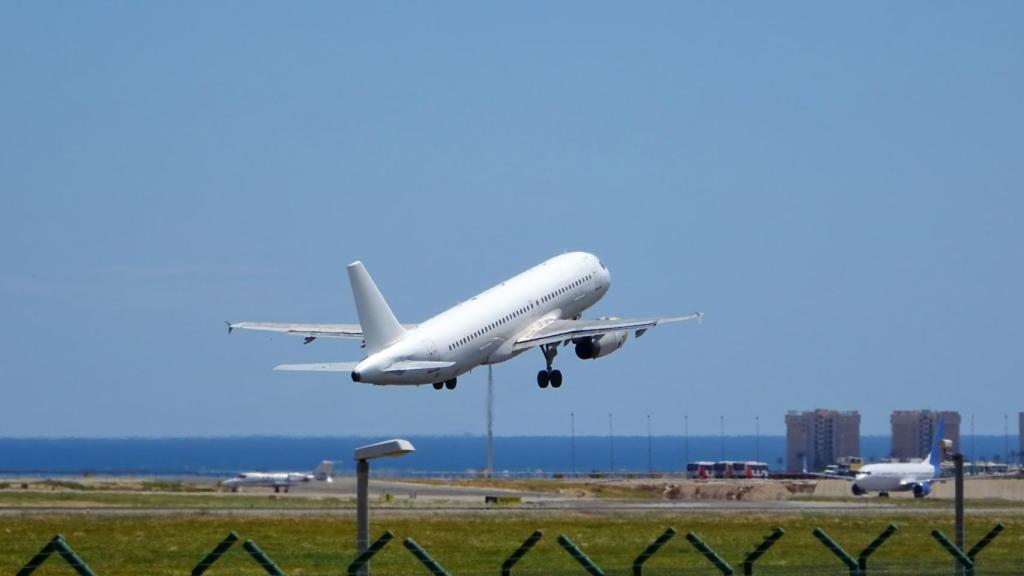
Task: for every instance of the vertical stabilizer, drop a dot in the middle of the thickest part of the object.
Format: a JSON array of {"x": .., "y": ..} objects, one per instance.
[
  {"x": 380, "y": 327},
  {"x": 935, "y": 456},
  {"x": 324, "y": 471}
]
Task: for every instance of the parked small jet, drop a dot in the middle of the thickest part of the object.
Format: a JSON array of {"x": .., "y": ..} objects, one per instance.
[
  {"x": 279, "y": 480},
  {"x": 540, "y": 307},
  {"x": 900, "y": 476}
]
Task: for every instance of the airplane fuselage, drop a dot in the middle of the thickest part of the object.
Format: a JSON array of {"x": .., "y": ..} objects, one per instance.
[
  {"x": 893, "y": 477},
  {"x": 484, "y": 329},
  {"x": 266, "y": 479}
]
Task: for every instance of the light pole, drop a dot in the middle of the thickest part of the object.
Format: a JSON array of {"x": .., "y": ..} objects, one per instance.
[
  {"x": 650, "y": 448},
  {"x": 974, "y": 454},
  {"x": 721, "y": 435},
  {"x": 572, "y": 419},
  {"x": 1006, "y": 438},
  {"x": 686, "y": 441},
  {"x": 362, "y": 456},
  {"x": 757, "y": 438},
  {"x": 611, "y": 445}
]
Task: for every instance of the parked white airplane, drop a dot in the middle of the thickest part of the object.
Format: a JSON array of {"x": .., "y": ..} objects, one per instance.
[
  {"x": 279, "y": 480},
  {"x": 901, "y": 476},
  {"x": 539, "y": 307}
]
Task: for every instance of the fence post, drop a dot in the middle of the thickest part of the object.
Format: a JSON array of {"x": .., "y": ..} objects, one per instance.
[
  {"x": 985, "y": 541},
  {"x": 652, "y": 548},
  {"x": 363, "y": 558},
  {"x": 425, "y": 558},
  {"x": 215, "y": 554},
  {"x": 862, "y": 560},
  {"x": 838, "y": 550},
  {"x": 710, "y": 554},
  {"x": 262, "y": 558},
  {"x": 576, "y": 553},
  {"x": 769, "y": 540},
  {"x": 57, "y": 544},
  {"x": 506, "y": 567},
  {"x": 965, "y": 562}
]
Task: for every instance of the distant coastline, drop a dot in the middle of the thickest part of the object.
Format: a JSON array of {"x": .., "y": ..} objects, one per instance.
[{"x": 441, "y": 454}]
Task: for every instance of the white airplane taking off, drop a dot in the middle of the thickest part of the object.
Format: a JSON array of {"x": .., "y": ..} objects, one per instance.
[
  {"x": 540, "y": 307},
  {"x": 279, "y": 480},
  {"x": 901, "y": 476}
]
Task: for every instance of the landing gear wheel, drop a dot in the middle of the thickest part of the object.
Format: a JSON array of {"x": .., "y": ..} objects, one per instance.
[
  {"x": 438, "y": 385},
  {"x": 543, "y": 378},
  {"x": 450, "y": 384},
  {"x": 556, "y": 378},
  {"x": 883, "y": 494}
]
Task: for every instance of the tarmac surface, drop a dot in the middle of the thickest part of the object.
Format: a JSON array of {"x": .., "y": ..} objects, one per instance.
[{"x": 397, "y": 497}]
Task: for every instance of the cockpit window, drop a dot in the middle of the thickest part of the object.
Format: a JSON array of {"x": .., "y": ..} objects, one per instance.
[{"x": 603, "y": 267}]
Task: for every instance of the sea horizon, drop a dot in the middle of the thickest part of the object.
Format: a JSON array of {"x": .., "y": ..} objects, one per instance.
[{"x": 434, "y": 453}]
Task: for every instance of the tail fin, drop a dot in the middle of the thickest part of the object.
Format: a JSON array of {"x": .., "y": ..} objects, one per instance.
[
  {"x": 380, "y": 327},
  {"x": 935, "y": 456},
  {"x": 324, "y": 471}
]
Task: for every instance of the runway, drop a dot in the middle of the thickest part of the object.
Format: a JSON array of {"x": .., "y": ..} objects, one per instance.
[{"x": 402, "y": 498}]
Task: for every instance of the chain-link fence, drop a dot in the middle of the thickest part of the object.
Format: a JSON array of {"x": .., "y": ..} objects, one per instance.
[{"x": 689, "y": 554}]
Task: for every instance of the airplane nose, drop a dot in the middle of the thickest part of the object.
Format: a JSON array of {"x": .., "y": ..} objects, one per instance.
[{"x": 356, "y": 376}]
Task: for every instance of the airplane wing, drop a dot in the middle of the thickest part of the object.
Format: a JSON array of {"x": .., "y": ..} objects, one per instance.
[
  {"x": 560, "y": 330},
  {"x": 309, "y": 331},
  {"x": 321, "y": 367},
  {"x": 830, "y": 476},
  {"x": 400, "y": 366}
]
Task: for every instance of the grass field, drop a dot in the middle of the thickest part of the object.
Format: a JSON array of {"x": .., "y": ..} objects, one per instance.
[{"x": 478, "y": 542}]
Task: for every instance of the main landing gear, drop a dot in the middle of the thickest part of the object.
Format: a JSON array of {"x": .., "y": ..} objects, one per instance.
[
  {"x": 549, "y": 376},
  {"x": 449, "y": 384}
]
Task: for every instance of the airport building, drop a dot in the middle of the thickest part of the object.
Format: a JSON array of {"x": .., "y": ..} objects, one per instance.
[
  {"x": 820, "y": 437},
  {"x": 913, "y": 431},
  {"x": 1020, "y": 431}
]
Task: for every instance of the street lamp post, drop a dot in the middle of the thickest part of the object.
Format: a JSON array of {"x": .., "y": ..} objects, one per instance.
[{"x": 362, "y": 456}]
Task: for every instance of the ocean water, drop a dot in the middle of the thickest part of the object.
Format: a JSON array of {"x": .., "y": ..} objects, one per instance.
[{"x": 434, "y": 454}]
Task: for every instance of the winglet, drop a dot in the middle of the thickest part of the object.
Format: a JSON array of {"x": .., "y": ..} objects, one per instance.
[
  {"x": 700, "y": 317},
  {"x": 230, "y": 327}
]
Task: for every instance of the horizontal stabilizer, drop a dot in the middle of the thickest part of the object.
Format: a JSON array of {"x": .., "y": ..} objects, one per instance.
[
  {"x": 406, "y": 365},
  {"x": 321, "y": 367}
]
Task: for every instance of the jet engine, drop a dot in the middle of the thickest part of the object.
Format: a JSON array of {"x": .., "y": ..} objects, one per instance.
[
  {"x": 922, "y": 490},
  {"x": 857, "y": 490},
  {"x": 596, "y": 346}
]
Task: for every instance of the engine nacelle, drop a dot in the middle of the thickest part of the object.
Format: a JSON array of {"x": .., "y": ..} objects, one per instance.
[
  {"x": 922, "y": 490},
  {"x": 857, "y": 490},
  {"x": 597, "y": 346}
]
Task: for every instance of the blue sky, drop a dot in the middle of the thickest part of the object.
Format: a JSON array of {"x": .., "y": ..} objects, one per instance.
[{"x": 838, "y": 188}]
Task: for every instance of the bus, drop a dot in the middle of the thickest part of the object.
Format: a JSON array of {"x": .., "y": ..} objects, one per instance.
[{"x": 700, "y": 470}]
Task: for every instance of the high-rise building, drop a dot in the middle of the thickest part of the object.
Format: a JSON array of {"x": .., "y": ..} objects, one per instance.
[
  {"x": 913, "y": 431},
  {"x": 820, "y": 437}
]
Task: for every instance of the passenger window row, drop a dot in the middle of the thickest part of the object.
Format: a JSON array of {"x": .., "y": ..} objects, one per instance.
[
  {"x": 505, "y": 319},
  {"x": 517, "y": 313},
  {"x": 567, "y": 287}
]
